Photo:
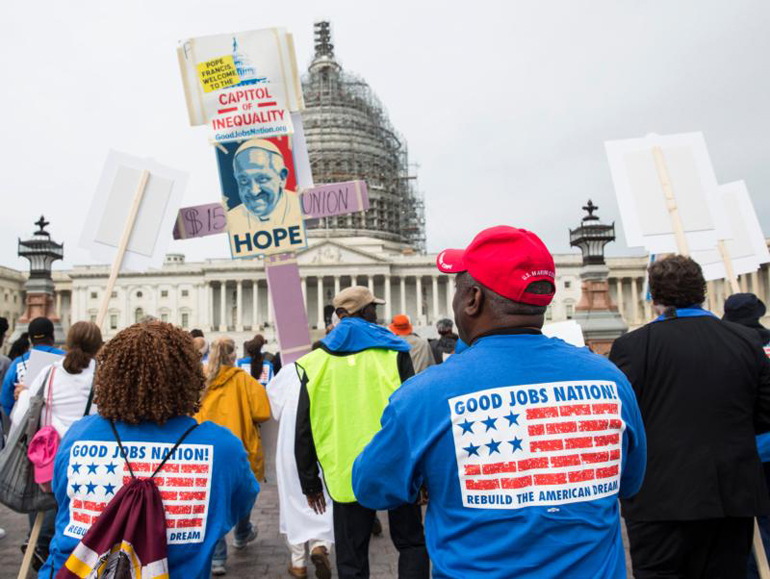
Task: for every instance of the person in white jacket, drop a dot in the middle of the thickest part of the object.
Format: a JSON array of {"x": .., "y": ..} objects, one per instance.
[
  {"x": 71, "y": 379},
  {"x": 304, "y": 529}
]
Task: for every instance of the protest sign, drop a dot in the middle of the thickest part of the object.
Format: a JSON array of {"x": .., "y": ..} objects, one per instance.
[
  {"x": 259, "y": 194},
  {"x": 135, "y": 199},
  {"x": 335, "y": 199},
  {"x": 569, "y": 331},
  {"x": 288, "y": 306},
  {"x": 745, "y": 249},
  {"x": 200, "y": 221},
  {"x": 667, "y": 192},
  {"x": 257, "y": 59},
  {"x": 112, "y": 204}
]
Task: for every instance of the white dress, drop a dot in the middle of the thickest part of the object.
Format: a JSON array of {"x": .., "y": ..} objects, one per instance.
[{"x": 297, "y": 520}]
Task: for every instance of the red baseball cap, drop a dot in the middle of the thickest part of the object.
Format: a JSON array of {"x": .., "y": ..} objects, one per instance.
[{"x": 506, "y": 260}]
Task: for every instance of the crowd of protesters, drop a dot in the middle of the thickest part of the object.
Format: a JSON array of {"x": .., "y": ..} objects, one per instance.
[{"x": 495, "y": 451}]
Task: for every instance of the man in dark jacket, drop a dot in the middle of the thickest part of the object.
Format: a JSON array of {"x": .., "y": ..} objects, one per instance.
[{"x": 703, "y": 386}]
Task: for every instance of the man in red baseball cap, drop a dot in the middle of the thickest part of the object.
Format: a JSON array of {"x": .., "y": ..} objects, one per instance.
[{"x": 523, "y": 442}]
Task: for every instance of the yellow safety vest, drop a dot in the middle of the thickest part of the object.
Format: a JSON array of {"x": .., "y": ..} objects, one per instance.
[{"x": 347, "y": 397}]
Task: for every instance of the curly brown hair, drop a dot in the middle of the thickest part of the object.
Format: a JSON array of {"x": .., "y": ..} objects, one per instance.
[
  {"x": 677, "y": 281},
  {"x": 148, "y": 372}
]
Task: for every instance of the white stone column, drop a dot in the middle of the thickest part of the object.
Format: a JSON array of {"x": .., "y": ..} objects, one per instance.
[
  {"x": 767, "y": 286},
  {"x": 418, "y": 280},
  {"x": 270, "y": 306},
  {"x": 754, "y": 283},
  {"x": 336, "y": 285},
  {"x": 303, "y": 282},
  {"x": 712, "y": 300},
  {"x": 402, "y": 293},
  {"x": 388, "y": 308},
  {"x": 239, "y": 307},
  {"x": 434, "y": 296},
  {"x": 58, "y": 303},
  {"x": 320, "y": 302},
  {"x": 370, "y": 282},
  {"x": 619, "y": 296},
  {"x": 449, "y": 296},
  {"x": 210, "y": 305},
  {"x": 742, "y": 281},
  {"x": 222, "y": 306},
  {"x": 127, "y": 308},
  {"x": 254, "y": 305},
  {"x": 634, "y": 301},
  {"x": 647, "y": 310}
]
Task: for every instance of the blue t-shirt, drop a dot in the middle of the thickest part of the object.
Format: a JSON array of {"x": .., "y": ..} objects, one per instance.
[
  {"x": 524, "y": 444},
  {"x": 207, "y": 486},
  {"x": 12, "y": 375},
  {"x": 267, "y": 369}
]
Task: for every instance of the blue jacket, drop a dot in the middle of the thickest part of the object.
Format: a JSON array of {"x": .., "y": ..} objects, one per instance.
[
  {"x": 524, "y": 444},
  {"x": 200, "y": 510},
  {"x": 11, "y": 376}
]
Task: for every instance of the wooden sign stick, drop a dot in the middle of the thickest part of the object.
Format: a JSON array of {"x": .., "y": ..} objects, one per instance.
[
  {"x": 759, "y": 554},
  {"x": 673, "y": 209},
  {"x": 31, "y": 544},
  {"x": 127, "y": 229},
  {"x": 727, "y": 260}
]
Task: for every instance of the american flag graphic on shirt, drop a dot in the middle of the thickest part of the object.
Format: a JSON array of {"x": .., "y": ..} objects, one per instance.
[
  {"x": 97, "y": 471},
  {"x": 538, "y": 444}
]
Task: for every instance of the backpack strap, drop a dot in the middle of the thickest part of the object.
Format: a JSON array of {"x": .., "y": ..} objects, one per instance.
[
  {"x": 170, "y": 452},
  {"x": 163, "y": 462},
  {"x": 120, "y": 445},
  {"x": 90, "y": 393}
]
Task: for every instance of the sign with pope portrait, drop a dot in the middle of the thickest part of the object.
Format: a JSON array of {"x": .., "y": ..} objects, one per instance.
[{"x": 258, "y": 178}]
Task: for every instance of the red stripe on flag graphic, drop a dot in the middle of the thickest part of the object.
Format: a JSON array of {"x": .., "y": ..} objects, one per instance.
[
  {"x": 575, "y": 410},
  {"x": 227, "y": 110}
]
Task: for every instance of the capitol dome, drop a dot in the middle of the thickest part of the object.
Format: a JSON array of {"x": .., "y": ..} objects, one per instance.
[{"x": 350, "y": 137}]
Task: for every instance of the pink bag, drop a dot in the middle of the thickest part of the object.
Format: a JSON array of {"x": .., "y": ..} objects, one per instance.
[{"x": 43, "y": 446}]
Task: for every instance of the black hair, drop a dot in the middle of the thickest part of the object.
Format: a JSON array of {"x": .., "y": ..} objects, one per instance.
[{"x": 19, "y": 346}]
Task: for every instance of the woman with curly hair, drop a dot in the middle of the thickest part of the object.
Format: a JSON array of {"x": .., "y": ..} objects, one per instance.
[
  {"x": 232, "y": 398},
  {"x": 147, "y": 385}
]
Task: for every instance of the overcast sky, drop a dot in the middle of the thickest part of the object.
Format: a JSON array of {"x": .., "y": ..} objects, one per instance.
[{"x": 505, "y": 105}]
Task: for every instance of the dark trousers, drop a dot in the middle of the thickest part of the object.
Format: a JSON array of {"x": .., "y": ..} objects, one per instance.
[
  {"x": 710, "y": 548},
  {"x": 353, "y": 529}
]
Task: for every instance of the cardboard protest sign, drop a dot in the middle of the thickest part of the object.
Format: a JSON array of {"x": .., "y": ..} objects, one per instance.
[
  {"x": 200, "y": 221},
  {"x": 112, "y": 205},
  {"x": 335, "y": 199},
  {"x": 665, "y": 183},
  {"x": 746, "y": 247},
  {"x": 288, "y": 306},
  {"x": 259, "y": 193},
  {"x": 244, "y": 83},
  {"x": 569, "y": 331}
]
